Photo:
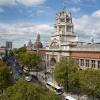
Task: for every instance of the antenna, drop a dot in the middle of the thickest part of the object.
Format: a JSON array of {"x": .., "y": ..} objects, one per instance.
[{"x": 92, "y": 38}]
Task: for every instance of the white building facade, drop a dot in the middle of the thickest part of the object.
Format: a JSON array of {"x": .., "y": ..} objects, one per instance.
[{"x": 63, "y": 39}]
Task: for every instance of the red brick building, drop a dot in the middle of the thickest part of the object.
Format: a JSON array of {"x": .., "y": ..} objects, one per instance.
[{"x": 88, "y": 56}]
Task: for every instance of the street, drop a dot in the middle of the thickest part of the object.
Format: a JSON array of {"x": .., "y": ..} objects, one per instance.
[{"x": 15, "y": 67}]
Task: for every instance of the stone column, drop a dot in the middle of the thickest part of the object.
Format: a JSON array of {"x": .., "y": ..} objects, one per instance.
[
  {"x": 85, "y": 63},
  {"x": 57, "y": 28},
  {"x": 79, "y": 63},
  {"x": 65, "y": 28},
  {"x": 96, "y": 64},
  {"x": 90, "y": 63}
]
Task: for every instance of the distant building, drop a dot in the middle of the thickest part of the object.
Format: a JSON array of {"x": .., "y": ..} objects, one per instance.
[
  {"x": 29, "y": 46},
  {"x": 2, "y": 50},
  {"x": 38, "y": 43},
  {"x": 9, "y": 45},
  {"x": 36, "y": 47}
]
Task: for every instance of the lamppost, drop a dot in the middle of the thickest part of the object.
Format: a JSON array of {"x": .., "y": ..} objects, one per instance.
[{"x": 45, "y": 70}]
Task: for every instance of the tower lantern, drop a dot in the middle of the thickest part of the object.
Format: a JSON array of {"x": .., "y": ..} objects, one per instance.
[{"x": 64, "y": 22}]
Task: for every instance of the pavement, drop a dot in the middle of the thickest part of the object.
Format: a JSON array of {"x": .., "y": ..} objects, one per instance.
[{"x": 41, "y": 76}]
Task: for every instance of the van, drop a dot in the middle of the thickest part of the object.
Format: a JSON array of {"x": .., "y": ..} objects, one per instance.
[
  {"x": 69, "y": 98},
  {"x": 54, "y": 87}
]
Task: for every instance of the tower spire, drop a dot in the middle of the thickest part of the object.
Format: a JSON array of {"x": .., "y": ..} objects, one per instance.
[{"x": 38, "y": 37}]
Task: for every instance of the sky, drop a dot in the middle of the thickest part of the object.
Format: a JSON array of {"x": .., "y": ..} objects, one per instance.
[{"x": 21, "y": 20}]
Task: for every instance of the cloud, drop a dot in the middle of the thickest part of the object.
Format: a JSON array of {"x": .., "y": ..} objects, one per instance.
[
  {"x": 22, "y": 32},
  {"x": 23, "y": 28},
  {"x": 31, "y": 2},
  {"x": 88, "y": 25},
  {"x": 80, "y": 1},
  {"x": 7, "y": 2},
  {"x": 75, "y": 10},
  {"x": 96, "y": 14},
  {"x": 23, "y": 2}
]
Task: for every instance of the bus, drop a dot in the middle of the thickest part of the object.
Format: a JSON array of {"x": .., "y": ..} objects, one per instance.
[{"x": 55, "y": 88}]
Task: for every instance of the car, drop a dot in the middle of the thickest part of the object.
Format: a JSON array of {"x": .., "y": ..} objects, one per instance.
[
  {"x": 28, "y": 78},
  {"x": 69, "y": 98}
]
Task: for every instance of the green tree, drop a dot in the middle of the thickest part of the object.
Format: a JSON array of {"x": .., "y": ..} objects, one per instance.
[
  {"x": 66, "y": 73},
  {"x": 90, "y": 82},
  {"x": 5, "y": 77},
  {"x": 19, "y": 50},
  {"x": 30, "y": 60},
  {"x": 28, "y": 91}
]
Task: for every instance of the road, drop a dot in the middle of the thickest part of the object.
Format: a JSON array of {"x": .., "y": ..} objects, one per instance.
[
  {"x": 15, "y": 67},
  {"x": 41, "y": 76}
]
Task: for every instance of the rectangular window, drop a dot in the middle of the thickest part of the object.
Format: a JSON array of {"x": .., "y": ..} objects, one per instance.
[
  {"x": 98, "y": 64},
  {"x": 93, "y": 63},
  {"x": 87, "y": 63},
  {"x": 82, "y": 62},
  {"x": 69, "y": 28}
]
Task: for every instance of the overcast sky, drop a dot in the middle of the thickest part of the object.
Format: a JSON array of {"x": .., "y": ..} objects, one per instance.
[{"x": 20, "y": 20}]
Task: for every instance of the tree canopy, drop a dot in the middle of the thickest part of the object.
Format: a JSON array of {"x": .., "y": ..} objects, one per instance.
[
  {"x": 90, "y": 82},
  {"x": 28, "y": 91},
  {"x": 66, "y": 73},
  {"x": 30, "y": 60},
  {"x": 5, "y": 77},
  {"x": 22, "y": 49},
  {"x": 74, "y": 80}
]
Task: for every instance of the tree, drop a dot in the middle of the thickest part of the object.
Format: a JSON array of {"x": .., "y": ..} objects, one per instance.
[
  {"x": 19, "y": 50},
  {"x": 90, "y": 82},
  {"x": 5, "y": 77},
  {"x": 66, "y": 73},
  {"x": 29, "y": 60},
  {"x": 28, "y": 91}
]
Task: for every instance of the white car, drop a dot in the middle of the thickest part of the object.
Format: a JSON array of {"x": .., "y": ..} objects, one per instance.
[
  {"x": 28, "y": 78},
  {"x": 69, "y": 98}
]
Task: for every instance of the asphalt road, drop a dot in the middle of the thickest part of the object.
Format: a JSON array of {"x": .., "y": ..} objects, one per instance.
[{"x": 15, "y": 67}]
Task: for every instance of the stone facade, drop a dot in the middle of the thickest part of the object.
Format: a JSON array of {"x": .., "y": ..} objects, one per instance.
[
  {"x": 62, "y": 39},
  {"x": 64, "y": 43}
]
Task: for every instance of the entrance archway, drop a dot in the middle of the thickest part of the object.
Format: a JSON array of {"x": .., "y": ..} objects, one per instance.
[{"x": 52, "y": 61}]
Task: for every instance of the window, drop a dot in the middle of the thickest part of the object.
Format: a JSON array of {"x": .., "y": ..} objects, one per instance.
[
  {"x": 69, "y": 28},
  {"x": 82, "y": 62},
  {"x": 93, "y": 63},
  {"x": 87, "y": 63},
  {"x": 98, "y": 64}
]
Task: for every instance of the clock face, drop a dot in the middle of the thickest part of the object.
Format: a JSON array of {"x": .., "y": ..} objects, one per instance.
[{"x": 54, "y": 44}]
